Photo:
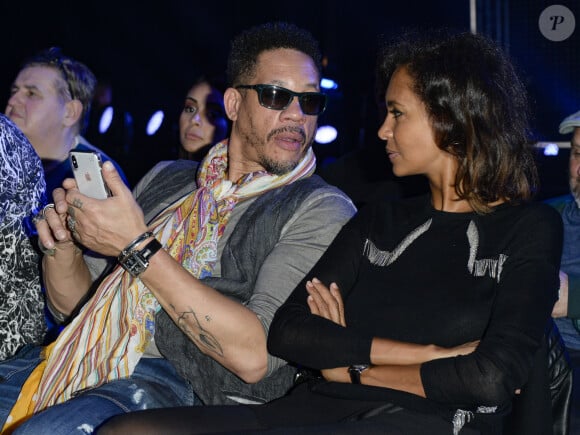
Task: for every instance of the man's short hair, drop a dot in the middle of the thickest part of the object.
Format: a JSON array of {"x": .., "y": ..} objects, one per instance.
[
  {"x": 77, "y": 78},
  {"x": 570, "y": 123},
  {"x": 248, "y": 45}
]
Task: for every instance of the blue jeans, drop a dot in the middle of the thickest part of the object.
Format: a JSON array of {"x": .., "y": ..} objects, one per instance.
[
  {"x": 13, "y": 373},
  {"x": 154, "y": 384}
]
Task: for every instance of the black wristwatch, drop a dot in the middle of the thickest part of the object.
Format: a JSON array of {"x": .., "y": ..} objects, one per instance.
[
  {"x": 355, "y": 370},
  {"x": 135, "y": 262}
]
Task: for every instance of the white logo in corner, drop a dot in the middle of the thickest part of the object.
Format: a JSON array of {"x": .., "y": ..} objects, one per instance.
[{"x": 557, "y": 23}]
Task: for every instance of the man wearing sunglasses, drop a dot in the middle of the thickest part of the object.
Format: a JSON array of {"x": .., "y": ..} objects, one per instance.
[
  {"x": 202, "y": 261},
  {"x": 49, "y": 101}
]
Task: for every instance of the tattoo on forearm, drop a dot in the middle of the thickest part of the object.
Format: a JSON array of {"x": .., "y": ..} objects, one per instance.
[{"x": 188, "y": 322}]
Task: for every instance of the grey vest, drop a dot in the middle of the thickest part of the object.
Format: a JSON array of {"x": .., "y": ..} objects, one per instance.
[{"x": 255, "y": 235}]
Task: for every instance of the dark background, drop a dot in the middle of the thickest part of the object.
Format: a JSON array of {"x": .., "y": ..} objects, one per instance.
[{"x": 152, "y": 52}]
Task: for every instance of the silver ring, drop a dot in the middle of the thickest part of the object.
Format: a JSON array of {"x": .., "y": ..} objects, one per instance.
[
  {"x": 37, "y": 218},
  {"x": 47, "y": 207}
]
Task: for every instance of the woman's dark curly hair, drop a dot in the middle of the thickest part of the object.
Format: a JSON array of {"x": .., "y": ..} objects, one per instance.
[
  {"x": 478, "y": 108},
  {"x": 248, "y": 45}
]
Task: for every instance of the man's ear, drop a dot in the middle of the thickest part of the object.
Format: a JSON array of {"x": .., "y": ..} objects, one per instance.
[
  {"x": 73, "y": 112},
  {"x": 232, "y": 101}
]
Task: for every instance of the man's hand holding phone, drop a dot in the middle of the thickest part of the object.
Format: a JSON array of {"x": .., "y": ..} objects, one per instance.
[
  {"x": 105, "y": 225},
  {"x": 87, "y": 172}
]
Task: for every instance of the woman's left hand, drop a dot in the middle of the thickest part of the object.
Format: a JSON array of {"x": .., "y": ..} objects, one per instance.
[{"x": 325, "y": 302}]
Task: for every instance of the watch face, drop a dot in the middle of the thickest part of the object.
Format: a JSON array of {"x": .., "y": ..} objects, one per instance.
[
  {"x": 134, "y": 263},
  {"x": 359, "y": 367}
]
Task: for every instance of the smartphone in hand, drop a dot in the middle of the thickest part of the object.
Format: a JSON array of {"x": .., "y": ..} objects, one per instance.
[{"x": 86, "y": 167}]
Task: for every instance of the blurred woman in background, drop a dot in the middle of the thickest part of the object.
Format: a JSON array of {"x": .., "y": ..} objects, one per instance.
[{"x": 203, "y": 120}]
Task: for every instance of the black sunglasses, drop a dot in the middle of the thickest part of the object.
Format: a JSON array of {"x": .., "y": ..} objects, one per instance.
[
  {"x": 279, "y": 98},
  {"x": 54, "y": 56}
]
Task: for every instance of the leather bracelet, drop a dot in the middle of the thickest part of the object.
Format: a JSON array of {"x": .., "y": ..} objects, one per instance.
[
  {"x": 150, "y": 248},
  {"x": 134, "y": 243}
]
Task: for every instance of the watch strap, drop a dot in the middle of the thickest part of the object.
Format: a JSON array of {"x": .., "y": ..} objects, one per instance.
[
  {"x": 355, "y": 371},
  {"x": 150, "y": 249}
]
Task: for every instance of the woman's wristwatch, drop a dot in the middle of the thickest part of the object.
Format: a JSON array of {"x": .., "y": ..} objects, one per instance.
[{"x": 355, "y": 370}]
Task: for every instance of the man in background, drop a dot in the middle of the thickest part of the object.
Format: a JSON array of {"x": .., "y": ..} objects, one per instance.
[
  {"x": 567, "y": 309},
  {"x": 50, "y": 102}
]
